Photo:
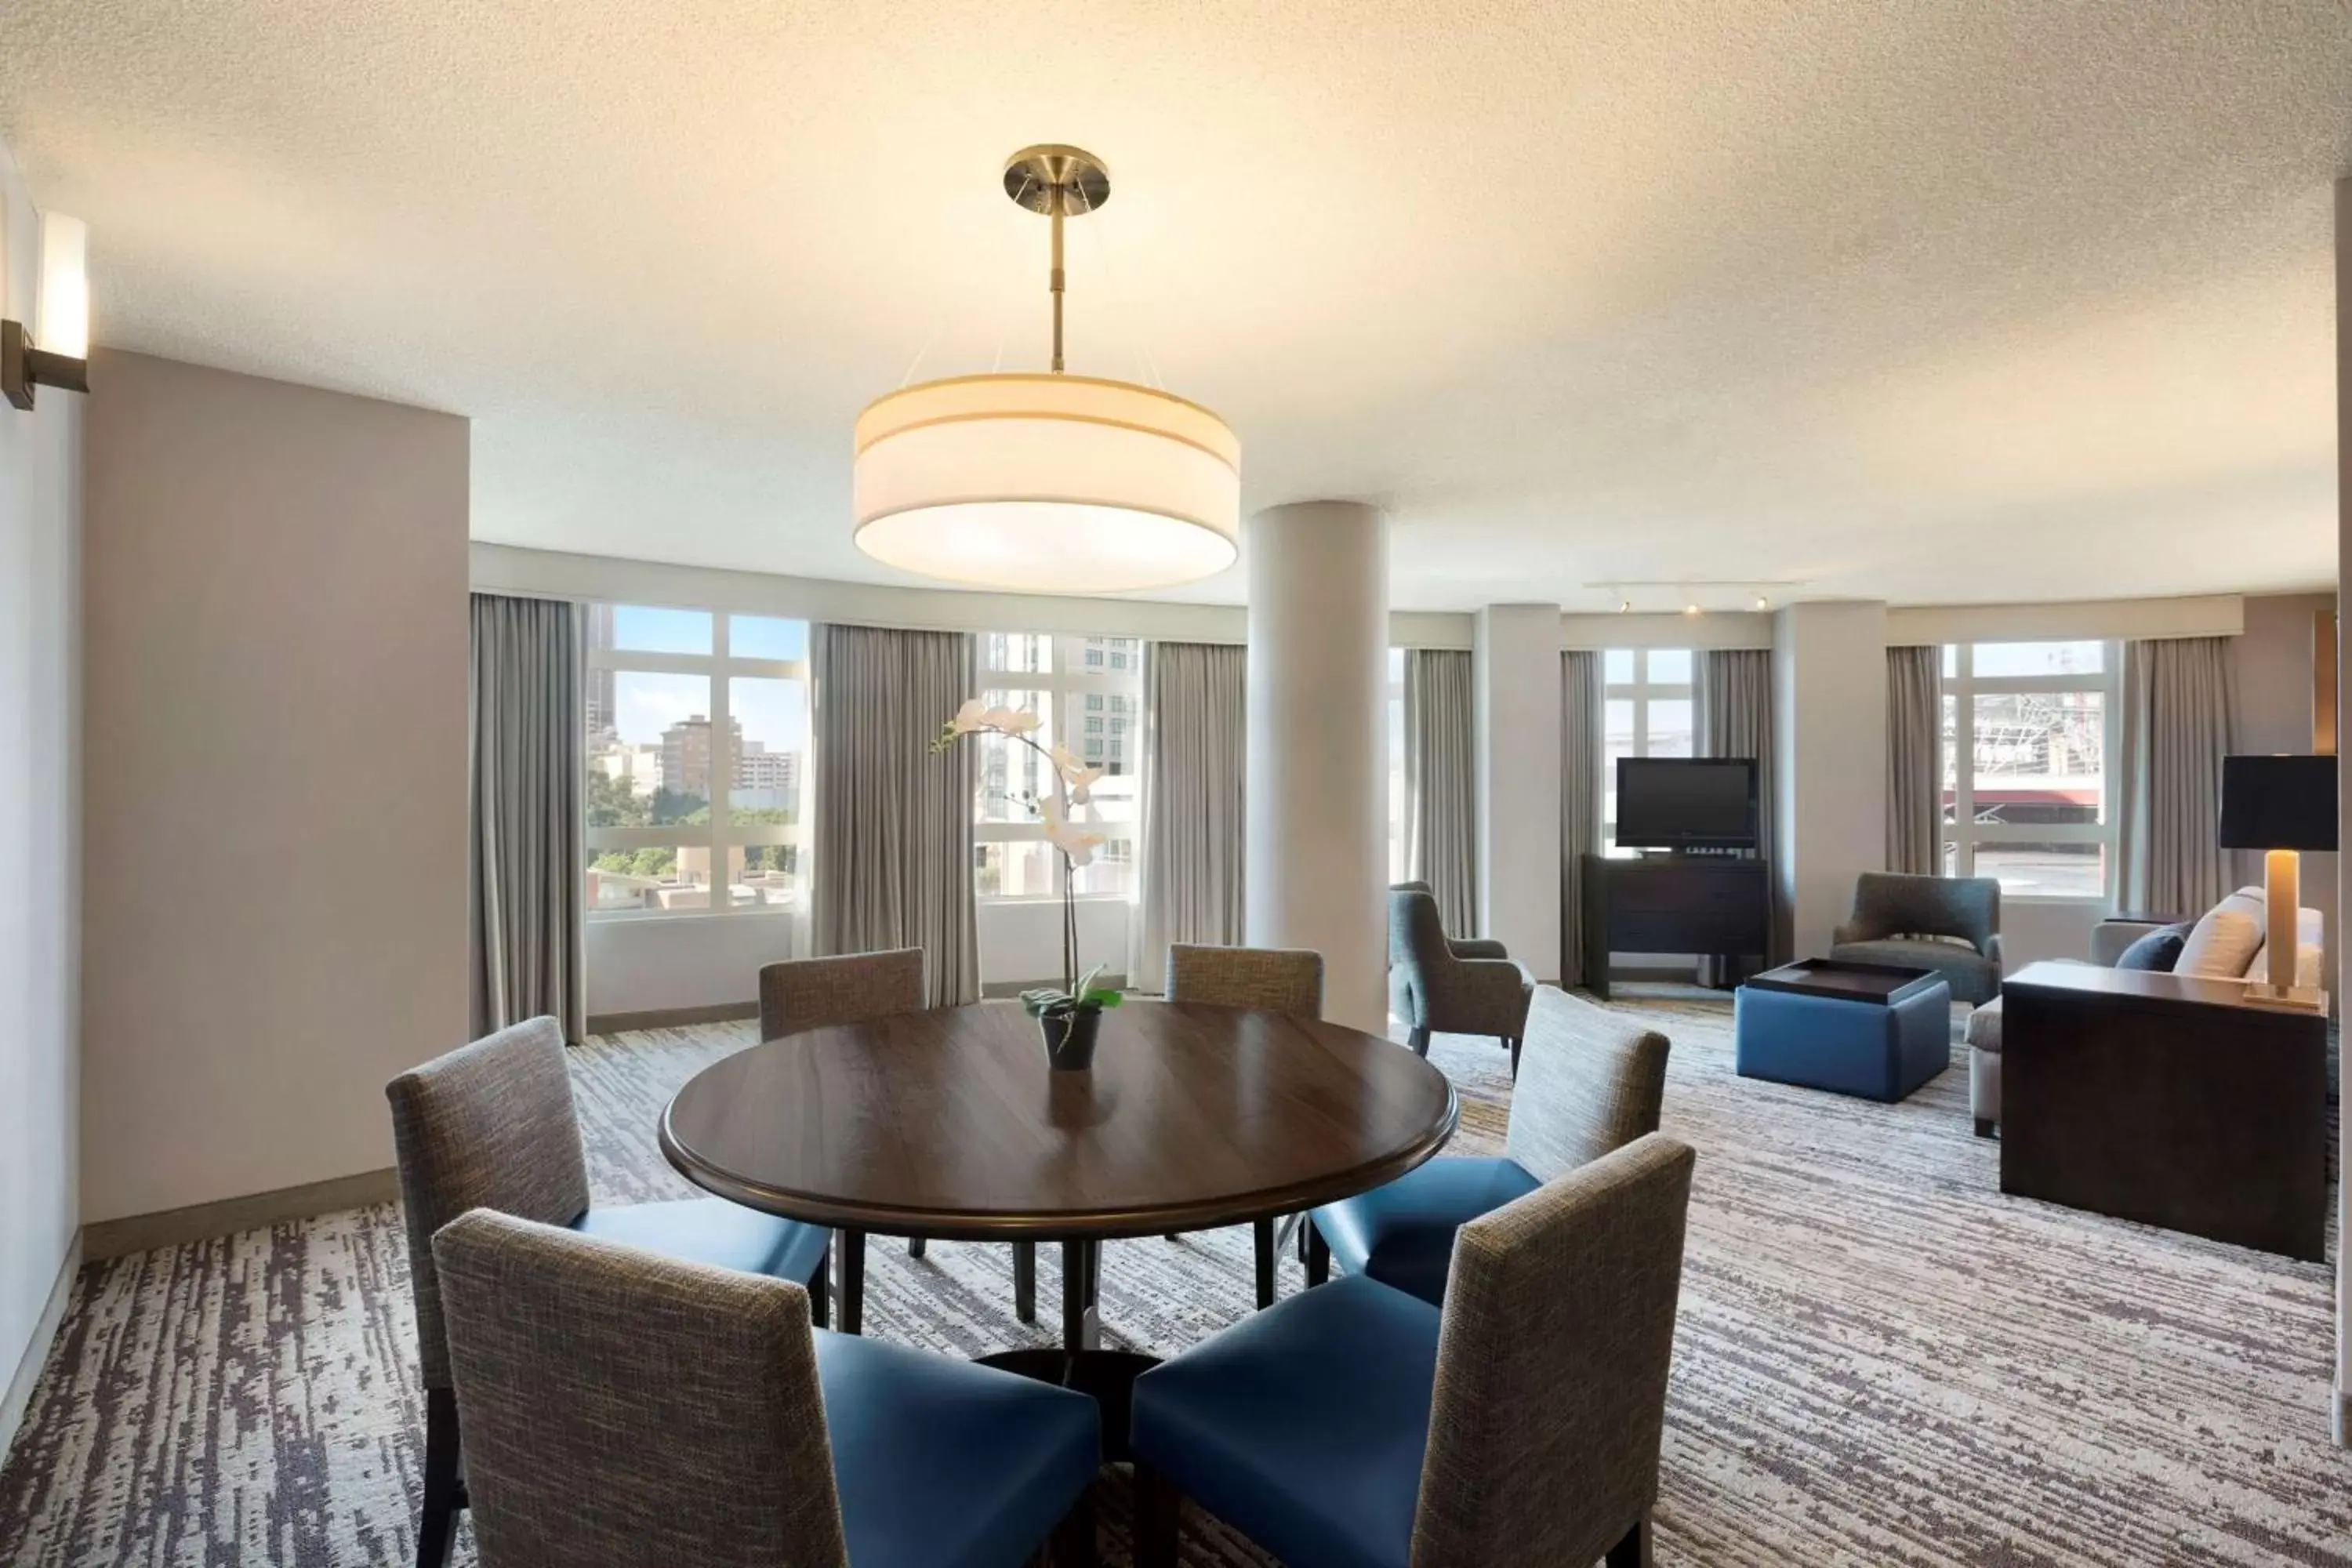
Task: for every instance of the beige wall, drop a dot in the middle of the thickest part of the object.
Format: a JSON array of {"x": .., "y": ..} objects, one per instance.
[
  {"x": 2271, "y": 660},
  {"x": 275, "y": 778},
  {"x": 39, "y": 532},
  {"x": 1828, "y": 765}
]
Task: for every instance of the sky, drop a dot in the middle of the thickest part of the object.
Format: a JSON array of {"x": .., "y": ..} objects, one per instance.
[{"x": 774, "y": 713}]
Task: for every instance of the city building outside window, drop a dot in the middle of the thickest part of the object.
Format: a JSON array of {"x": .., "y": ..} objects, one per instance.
[
  {"x": 1087, "y": 694},
  {"x": 698, "y": 737},
  {"x": 2034, "y": 804}
]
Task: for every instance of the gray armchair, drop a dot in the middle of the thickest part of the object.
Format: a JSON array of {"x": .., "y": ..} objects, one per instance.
[
  {"x": 1435, "y": 987},
  {"x": 1899, "y": 918}
]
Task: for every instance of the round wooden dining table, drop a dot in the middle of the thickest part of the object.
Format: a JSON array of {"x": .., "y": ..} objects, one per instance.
[{"x": 949, "y": 1124}]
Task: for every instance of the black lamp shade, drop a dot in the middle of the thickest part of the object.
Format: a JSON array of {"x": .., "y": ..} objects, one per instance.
[{"x": 2278, "y": 803}]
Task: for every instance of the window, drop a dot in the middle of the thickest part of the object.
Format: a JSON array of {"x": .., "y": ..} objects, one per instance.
[
  {"x": 1647, "y": 712},
  {"x": 1097, "y": 681},
  {"x": 2025, "y": 781},
  {"x": 697, "y": 754}
]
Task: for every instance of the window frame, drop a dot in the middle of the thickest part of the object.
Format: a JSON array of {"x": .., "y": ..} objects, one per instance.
[
  {"x": 720, "y": 668},
  {"x": 1640, "y": 691},
  {"x": 1068, "y": 680},
  {"x": 1957, "y": 841}
]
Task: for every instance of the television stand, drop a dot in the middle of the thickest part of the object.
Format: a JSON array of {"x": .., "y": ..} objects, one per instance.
[{"x": 1703, "y": 905}]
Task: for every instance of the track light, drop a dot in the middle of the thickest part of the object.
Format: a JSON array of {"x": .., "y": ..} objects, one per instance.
[
  {"x": 1762, "y": 603},
  {"x": 1691, "y": 608}
]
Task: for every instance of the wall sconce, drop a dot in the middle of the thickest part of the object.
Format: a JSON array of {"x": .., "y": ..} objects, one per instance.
[{"x": 59, "y": 356}]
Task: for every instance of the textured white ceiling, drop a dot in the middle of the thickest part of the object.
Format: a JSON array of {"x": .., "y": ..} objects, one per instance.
[{"x": 1934, "y": 300}]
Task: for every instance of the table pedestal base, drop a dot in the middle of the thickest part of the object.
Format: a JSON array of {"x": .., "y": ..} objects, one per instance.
[{"x": 1106, "y": 1376}]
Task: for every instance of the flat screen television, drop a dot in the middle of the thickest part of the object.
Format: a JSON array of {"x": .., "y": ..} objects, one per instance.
[{"x": 1686, "y": 802}]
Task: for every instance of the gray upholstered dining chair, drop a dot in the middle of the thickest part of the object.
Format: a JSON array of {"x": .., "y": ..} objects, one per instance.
[
  {"x": 1948, "y": 924},
  {"x": 1435, "y": 989},
  {"x": 628, "y": 1410},
  {"x": 492, "y": 1125},
  {"x": 801, "y": 993},
  {"x": 1269, "y": 979},
  {"x": 1517, "y": 1426},
  {"x": 1593, "y": 1081}
]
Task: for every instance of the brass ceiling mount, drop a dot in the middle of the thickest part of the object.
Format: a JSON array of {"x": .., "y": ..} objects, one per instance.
[{"x": 1037, "y": 176}]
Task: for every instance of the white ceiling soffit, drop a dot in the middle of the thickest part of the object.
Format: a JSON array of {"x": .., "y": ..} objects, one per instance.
[{"x": 1931, "y": 303}]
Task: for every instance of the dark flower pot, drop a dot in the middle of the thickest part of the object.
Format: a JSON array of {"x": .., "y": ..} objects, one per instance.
[{"x": 1069, "y": 1036}]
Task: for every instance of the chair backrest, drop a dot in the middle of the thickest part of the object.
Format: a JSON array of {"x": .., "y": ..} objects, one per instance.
[
  {"x": 1890, "y": 903},
  {"x": 1416, "y": 930},
  {"x": 488, "y": 1126},
  {"x": 1590, "y": 1081},
  {"x": 1275, "y": 979},
  {"x": 627, "y": 1410},
  {"x": 1410, "y": 888},
  {"x": 1552, "y": 1356},
  {"x": 818, "y": 993}
]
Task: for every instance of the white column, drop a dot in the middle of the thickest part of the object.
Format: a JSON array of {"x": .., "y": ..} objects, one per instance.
[
  {"x": 2342, "y": 1403},
  {"x": 1517, "y": 679},
  {"x": 1828, "y": 765},
  {"x": 1316, "y": 840}
]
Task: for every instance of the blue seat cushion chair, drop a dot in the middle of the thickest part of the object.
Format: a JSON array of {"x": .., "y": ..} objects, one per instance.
[
  {"x": 1303, "y": 1426},
  {"x": 1403, "y": 1234},
  {"x": 714, "y": 1231},
  {"x": 1876, "y": 1051},
  {"x": 942, "y": 1463}
]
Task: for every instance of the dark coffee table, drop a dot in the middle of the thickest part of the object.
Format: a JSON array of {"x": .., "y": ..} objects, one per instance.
[{"x": 1876, "y": 1030}]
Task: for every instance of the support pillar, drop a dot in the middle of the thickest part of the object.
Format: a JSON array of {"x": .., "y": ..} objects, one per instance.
[
  {"x": 2340, "y": 1404},
  {"x": 1828, "y": 765},
  {"x": 1315, "y": 834},
  {"x": 1516, "y": 683}
]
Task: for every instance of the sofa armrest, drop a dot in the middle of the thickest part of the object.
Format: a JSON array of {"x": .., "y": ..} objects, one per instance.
[{"x": 1478, "y": 947}]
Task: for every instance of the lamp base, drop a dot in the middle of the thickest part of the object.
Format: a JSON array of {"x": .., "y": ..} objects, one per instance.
[{"x": 2302, "y": 998}]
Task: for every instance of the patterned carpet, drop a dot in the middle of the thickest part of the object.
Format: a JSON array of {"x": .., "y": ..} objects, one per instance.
[{"x": 1881, "y": 1360}]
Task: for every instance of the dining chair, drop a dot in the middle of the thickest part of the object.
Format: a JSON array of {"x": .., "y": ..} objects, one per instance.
[
  {"x": 1592, "y": 1081},
  {"x": 1268, "y": 979},
  {"x": 1517, "y": 1426},
  {"x": 803, "y": 994},
  {"x": 492, "y": 1125},
  {"x": 628, "y": 1410}
]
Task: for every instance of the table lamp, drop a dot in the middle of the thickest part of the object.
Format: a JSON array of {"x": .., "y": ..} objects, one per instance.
[{"x": 2281, "y": 806}]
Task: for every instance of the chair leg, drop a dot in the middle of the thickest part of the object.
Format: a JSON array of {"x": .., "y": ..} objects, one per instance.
[
  {"x": 1024, "y": 1280},
  {"x": 445, "y": 1493},
  {"x": 1514, "y": 1043},
  {"x": 852, "y": 1281},
  {"x": 915, "y": 1245},
  {"x": 1633, "y": 1550},
  {"x": 1262, "y": 1236},
  {"x": 1157, "y": 1508},
  {"x": 1318, "y": 1255},
  {"x": 820, "y": 1289},
  {"x": 1419, "y": 1040},
  {"x": 1073, "y": 1544},
  {"x": 1984, "y": 1126}
]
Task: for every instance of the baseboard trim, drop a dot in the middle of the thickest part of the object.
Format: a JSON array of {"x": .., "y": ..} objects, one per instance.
[
  {"x": 19, "y": 1398},
  {"x": 225, "y": 1216},
  {"x": 670, "y": 1018}
]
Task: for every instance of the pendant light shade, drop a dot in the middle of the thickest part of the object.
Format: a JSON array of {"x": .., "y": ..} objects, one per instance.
[
  {"x": 1047, "y": 482},
  {"x": 1059, "y": 483}
]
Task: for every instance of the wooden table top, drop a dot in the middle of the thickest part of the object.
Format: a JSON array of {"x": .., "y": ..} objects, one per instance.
[{"x": 948, "y": 1123}]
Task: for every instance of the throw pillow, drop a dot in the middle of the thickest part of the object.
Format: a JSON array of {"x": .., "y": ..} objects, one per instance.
[
  {"x": 2159, "y": 950},
  {"x": 2225, "y": 939}
]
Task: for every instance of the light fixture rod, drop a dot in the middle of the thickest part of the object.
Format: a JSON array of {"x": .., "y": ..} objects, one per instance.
[
  {"x": 1061, "y": 210},
  {"x": 1059, "y": 182}
]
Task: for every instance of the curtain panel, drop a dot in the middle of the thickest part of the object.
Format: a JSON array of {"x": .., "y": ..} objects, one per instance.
[
  {"x": 526, "y": 758},
  {"x": 2179, "y": 719},
  {"x": 893, "y": 866},
  {"x": 1581, "y": 710},
  {"x": 1441, "y": 819},
  {"x": 1196, "y": 702},
  {"x": 1914, "y": 760},
  {"x": 1734, "y": 719}
]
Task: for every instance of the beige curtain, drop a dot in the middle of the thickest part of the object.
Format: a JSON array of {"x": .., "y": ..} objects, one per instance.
[
  {"x": 1735, "y": 720},
  {"x": 1914, "y": 760},
  {"x": 1195, "y": 700},
  {"x": 1440, "y": 784},
  {"x": 527, "y": 751},
  {"x": 1581, "y": 710},
  {"x": 2179, "y": 719},
  {"x": 893, "y": 821}
]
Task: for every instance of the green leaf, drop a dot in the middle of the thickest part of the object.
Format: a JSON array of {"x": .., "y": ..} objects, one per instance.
[{"x": 1104, "y": 997}]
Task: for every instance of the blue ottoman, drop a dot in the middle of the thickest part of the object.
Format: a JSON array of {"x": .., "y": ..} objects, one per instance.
[{"x": 1871, "y": 1029}]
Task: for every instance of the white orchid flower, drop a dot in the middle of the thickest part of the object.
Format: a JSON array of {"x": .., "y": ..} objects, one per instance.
[
  {"x": 973, "y": 715},
  {"x": 1064, "y": 759},
  {"x": 1068, "y": 838},
  {"x": 1009, "y": 720}
]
